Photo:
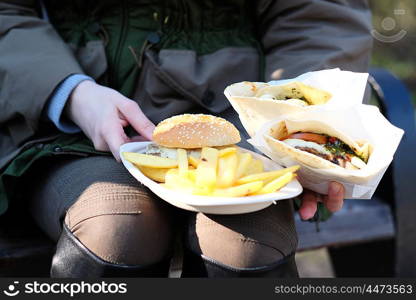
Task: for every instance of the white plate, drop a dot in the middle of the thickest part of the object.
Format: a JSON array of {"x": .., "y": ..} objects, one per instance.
[{"x": 208, "y": 204}]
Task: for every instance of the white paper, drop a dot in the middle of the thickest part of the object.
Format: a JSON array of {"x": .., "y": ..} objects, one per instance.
[
  {"x": 360, "y": 122},
  {"x": 347, "y": 89}
]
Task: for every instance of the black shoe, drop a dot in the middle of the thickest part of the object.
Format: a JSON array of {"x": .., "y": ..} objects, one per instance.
[
  {"x": 73, "y": 260},
  {"x": 197, "y": 265}
]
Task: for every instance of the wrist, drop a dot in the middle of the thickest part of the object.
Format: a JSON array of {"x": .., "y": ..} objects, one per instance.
[{"x": 78, "y": 96}]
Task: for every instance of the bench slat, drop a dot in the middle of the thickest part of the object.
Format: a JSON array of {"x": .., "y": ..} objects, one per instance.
[
  {"x": 398, "y": 108},
  {"x": 358, "y": 221}
]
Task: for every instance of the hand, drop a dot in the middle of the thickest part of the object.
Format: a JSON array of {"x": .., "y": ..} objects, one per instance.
[
  {"x": 333, "y": 201},
  {"x": 102, "y": 113}
]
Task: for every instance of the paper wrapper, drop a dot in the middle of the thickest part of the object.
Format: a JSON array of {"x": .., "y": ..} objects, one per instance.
[
  {"x": 360, "y": 122},
  {"x": 347, "y": 89}
]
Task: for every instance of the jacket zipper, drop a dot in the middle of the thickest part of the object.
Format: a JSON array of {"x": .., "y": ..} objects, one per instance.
[{"x": 121, "y": 40}]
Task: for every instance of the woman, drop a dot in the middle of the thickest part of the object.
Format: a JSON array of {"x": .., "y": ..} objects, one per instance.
[{"x": 80, "y": 78}]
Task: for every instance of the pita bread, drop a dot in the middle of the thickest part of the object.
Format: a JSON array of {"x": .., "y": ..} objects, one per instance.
[
  {"x": 255, "y": 111},
  {"x": 285, "y": 127},
  {"x": 293, "y": 91}
]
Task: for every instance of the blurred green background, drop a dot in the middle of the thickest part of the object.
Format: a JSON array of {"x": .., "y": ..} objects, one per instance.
[{"x": 390, "y": 17}]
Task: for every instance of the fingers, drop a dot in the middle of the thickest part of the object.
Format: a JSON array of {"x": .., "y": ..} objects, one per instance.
[
  {"x": 137, "y": 138},
  {"x": 115, "y": 137},
  {"x": 134, "y": 115},
  {"x": 309, "y": 204},
  {"x": 335, "y": 198},
  {"x": 333, "y": 201}
]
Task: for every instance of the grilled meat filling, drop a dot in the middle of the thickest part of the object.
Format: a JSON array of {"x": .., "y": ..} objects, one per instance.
[{"x": 326, "y": 147}]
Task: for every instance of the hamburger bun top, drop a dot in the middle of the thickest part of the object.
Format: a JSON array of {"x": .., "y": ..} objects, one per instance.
[{"x": 190, "y": 131}]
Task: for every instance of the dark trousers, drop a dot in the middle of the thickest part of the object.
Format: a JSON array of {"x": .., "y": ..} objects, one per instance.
[{"x": 121, "y": 222}]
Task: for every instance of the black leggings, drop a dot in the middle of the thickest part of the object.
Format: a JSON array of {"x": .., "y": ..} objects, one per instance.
[{"x": 122, "y": 222}]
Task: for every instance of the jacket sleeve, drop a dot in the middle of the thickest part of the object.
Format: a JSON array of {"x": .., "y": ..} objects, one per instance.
[
  {"x": 306, "y": 35},
  {"x": 54, "y": 109},
  {"x": 33, "y": 61}
]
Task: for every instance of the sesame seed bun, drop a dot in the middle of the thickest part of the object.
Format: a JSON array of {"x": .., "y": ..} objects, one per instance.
[{"x": 195, "y": 131}]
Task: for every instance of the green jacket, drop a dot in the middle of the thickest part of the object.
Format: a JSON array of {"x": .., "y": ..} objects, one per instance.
[{"x": 170, "y": 56}]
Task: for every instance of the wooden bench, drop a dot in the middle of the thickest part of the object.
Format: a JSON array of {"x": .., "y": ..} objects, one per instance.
[
  {"x": 391, "y": 212},
  {"x": 25, "y": 251}
]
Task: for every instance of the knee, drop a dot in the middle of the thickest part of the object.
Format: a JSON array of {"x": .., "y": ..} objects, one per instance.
[
  {"x": 239, "y": 252},
  {"x": 241, "y": 243},
  {"x": 121, "y": 224},
  {"x": 244, "y": 253}
]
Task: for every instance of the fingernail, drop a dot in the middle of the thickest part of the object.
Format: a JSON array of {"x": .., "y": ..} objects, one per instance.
[
  {"x": 306, "y": 215},
  {"x": 334, "y": 188},
  {"x": 304, "y": 218}
]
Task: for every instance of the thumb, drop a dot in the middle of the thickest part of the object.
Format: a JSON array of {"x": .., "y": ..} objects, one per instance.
[{"x": 335, "y": 198}]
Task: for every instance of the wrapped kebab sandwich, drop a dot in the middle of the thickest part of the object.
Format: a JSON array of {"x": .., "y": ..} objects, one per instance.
[
  {"x": 293, "y": 93},
  {"x": 345, "y": 145},
  {"x": 259, "y": 102},
  {"x": 318, "y": 145}
]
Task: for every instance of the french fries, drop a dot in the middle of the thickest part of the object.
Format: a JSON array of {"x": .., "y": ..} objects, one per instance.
[
  {"x": 181, "y": 182},
  {"x": 182, "y": 161},
  {"x": 227, "y": 168},
  {"x": 266, "y": 176},
  {"x": 276, "y": 184},
  {"x": 244, "y": 159},
  {"x": 223, "y": 172},
  {"x": 193, "y": 161},
  {"x": 206, "y": 172},
  {"x": 239, "y": 190},
  {"x": 227, "y": 151},
  {"x": 150, "y": 160},
  {"x": 155, "y": 174},
  {"x": 255, "y": 166}
]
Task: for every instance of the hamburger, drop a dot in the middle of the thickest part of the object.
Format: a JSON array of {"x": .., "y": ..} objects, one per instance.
[{"x": 192, "y": 132}]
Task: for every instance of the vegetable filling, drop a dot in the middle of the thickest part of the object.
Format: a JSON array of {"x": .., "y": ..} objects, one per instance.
[{"x": 326, "y": 147}]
